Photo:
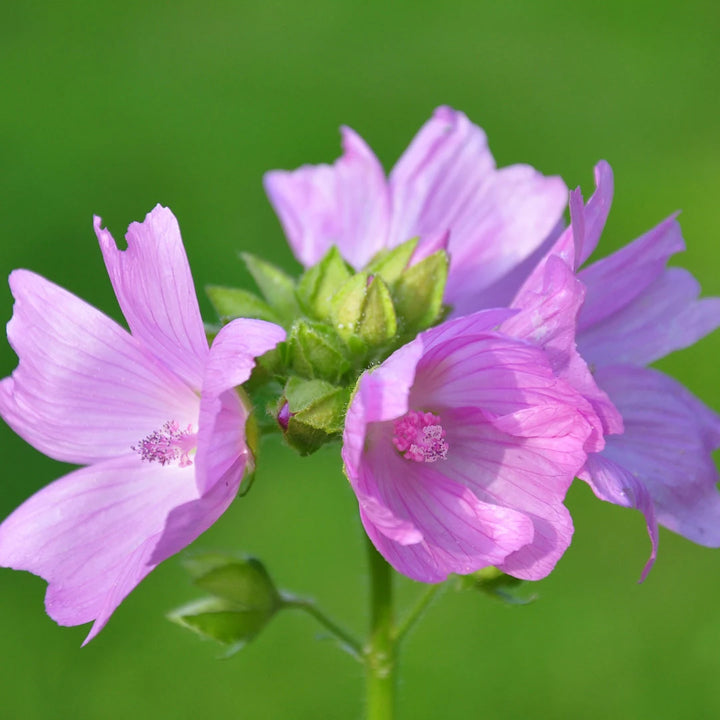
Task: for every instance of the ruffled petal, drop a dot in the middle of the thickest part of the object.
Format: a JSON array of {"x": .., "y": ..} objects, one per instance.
[
  {"x": 84, "y": 389},
  {"x": 667, "y": 447},
  {"x": 346, "y": 204},
  {"x": 155, "y": 289},
  {"x": 221, "y": 447},
  {"x": 459, "y": 533},
  {"x": 91, "y": 534},
  {"x": 446, "y": 180}
]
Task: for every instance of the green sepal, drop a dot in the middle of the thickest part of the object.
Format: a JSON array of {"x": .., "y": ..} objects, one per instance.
[
  {"x": 347, "y": 305},
  {"x": 315, "y": 351},
  {"x": 318, "y": 285},
  {"x": 390, "y": 264},
  {"x": 317, "y": 413},
  {"x": 495, "y": 583},
  {"x": 276, "y": 286},
  {"x": 377, "y": 323},
  {"x": 231, "y": 303},
  {"x": 244, "y": 599},
  {"x": 418, "y": 293}
]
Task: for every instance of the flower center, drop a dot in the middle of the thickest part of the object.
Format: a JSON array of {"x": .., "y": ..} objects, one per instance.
[
  {"x": 168, "y": 444},
  {"x": 420, "y": 437}
]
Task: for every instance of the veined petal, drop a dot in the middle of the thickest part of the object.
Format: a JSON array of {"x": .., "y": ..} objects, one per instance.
[
  {"x": 221, "y": 446},
  {"x": 667, "y": 447},
  {"x": 617, "y": 280},
  {"x": 91, "y": 534},
  {"x": 345, "y": 204},
  {"x": 446, "y": 180},
  {"x": 155, "y": 289},
  {"x": 667, "y": 316},
  {"x": 459, "y": 532},
  {"x": 84, "y": 389},
  {"x": 595, "y": 213}
]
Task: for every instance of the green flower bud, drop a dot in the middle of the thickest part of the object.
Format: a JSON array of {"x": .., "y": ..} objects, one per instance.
[
  {"x": 390, "y": 264},
  {"x": 318, "y": 286},
  {"x": 315, "y": 351}
]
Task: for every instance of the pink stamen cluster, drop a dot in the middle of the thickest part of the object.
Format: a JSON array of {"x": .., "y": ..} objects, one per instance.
[
  {"x": 167, "y": 445},
  {"x": 420, "y": 437}
]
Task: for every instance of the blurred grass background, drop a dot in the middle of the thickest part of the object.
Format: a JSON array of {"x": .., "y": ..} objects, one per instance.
[{"x": 111, "y": 107}]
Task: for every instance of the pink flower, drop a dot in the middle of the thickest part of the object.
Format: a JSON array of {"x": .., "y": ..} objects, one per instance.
[
  {"x": 445, "y": 189},
  {"x": 153, "y": 415},
  {"x": 636, "y": 310},
  {"x": 460, "y": 448}
]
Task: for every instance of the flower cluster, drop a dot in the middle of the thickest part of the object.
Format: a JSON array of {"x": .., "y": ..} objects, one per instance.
[{"x": 446, "y": 329}]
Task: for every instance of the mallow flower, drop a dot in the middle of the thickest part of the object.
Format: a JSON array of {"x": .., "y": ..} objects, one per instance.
[
  {"x": 152, "y": 414},
  {"x": 445, "y": 189},
  {"x": 635, "y": 311},
  {"x": 460, "y": 448}
]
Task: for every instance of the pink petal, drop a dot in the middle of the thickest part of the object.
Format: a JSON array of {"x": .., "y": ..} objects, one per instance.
[
  {"x": 596, "y": 213},
  {"x": 446, "y": 180},
  {"x": 667, "y": 447},
  {"x": 459, "y": 533},
  {"x": 155, "y": 289},
  {"x": 84, "y": 389},
  {"x": 221, "y": 446},
  {"x": 345, "y": 204},
  {"x": 91, "y": 533}
]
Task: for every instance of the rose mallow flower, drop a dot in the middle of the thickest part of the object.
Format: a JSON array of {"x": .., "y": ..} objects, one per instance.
[
  {"x": 635, "y": 311},
  {"x": 152, "y": 414},
  {"x": 460, "y": 448},
  {"x": 445, "y": 189}
]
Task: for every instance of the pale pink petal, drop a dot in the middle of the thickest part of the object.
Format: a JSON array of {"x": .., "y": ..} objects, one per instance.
[
  {"x": 84, "y": 389},
  {"x": 446, "y": 180},
  {"x": 155, "y": 289},
  {"x": 91, "y": 533},
  {"x": 667, "y": 447},
  {"x": 345, "y": 204},
  {"x": 221, "y": 443}
]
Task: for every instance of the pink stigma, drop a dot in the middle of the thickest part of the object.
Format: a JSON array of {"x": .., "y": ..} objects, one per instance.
[
  {"x": 420, "y": 437},
  {"x": 167, "y": 445}
]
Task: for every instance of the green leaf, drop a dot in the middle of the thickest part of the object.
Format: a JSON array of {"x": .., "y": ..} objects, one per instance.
[
  {"x": 495, "y": 583},
  {"x": 318, "y": 286},
  {"x": 390, "y": 264},
  {"x": 348, "y": 304},
  {"x": 276, "y": 286},
  {"x": 230, "y": 303}
]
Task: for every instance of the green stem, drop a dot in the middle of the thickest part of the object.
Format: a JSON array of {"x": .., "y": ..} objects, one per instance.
[
  {"x": 417, "y": 612},
  {"x": 351, "y": 644},
  {"x": 380, "y": 660}
]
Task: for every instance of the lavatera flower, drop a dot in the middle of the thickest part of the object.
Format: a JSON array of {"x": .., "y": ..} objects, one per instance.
[
  {"x": 153, "y": 414},
  {"x": 460, "y": 448}
]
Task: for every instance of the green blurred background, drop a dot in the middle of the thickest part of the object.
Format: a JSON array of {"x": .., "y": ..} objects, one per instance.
[{"x": 111, "y": 107}]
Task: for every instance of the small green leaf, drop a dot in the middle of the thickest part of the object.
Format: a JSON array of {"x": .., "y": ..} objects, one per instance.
[
  {"x": 390, "y": 264},
  {"x": 348, "y": 304},
  {"x": 276, "y": 286},
  {"x": 418, "y": 293},
  {"x": 318, "y": 286},
  {"x": 230, "y": 303},
  {"x": 495, "y": 583}
]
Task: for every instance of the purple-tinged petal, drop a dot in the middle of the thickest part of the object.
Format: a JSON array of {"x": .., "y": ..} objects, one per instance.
[
  {"x": 667, "y": 316},
  {"x": 549, "y": 303},
  {"x": 596, "y": 213},
  {"x": 446, "y": 180},
  {"x": 84, "y": 389},
  {"x": 91, "y": 533},
  {"x": 614, "y": 484},
  {"x": 667, "y": 447},
  {"x": 618, "y": 279},
  {"x": 155, "y": 289},
  {"x": 221, "y": 443},
  {"x": 346, "y": 204}
]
